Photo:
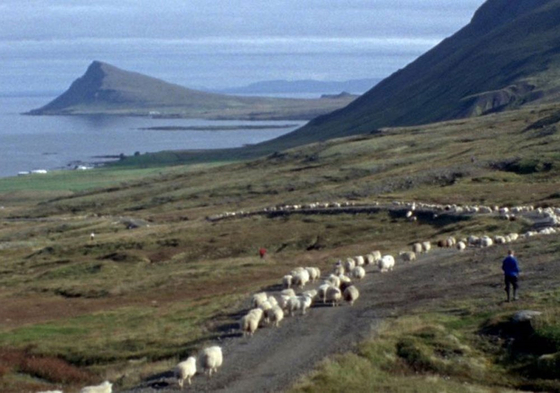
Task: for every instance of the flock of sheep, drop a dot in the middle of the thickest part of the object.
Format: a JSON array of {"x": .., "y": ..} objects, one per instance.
[
  {"x": 549, "y": 215},
  {"x": 208, "y": 360},
  {"x": 271, "y": 309}
]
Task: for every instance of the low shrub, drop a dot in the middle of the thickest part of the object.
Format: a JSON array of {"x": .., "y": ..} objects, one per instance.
[
  {"x": 53, "y": 370},
  {"x": 50, "y": 369},
  {"x": 415, "y": 355}
]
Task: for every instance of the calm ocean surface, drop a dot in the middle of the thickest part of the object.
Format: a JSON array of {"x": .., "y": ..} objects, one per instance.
[{"x": 61, "y": 142}]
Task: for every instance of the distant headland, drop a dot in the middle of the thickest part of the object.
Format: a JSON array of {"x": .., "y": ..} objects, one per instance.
[{"x": 107, "y": 90}]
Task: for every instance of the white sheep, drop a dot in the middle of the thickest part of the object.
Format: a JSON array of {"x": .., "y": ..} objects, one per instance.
[
  {"x": 349, "y": 264},
  {"x": 386, "y": 263},
  {"x": 249, "y": 324},
  {"x": 105, "y": 387},
  {"x": 333, "y": 295},
  {"x": 299, "y": 303},
  {"x": 417, "y": 248},
  {"x": 322, "y": 291},
  {"x": 258, "y": 298},
  {"x": 407, "y": 256},
  {"x": 211, "y": 359},
  {"x": 376, "y": 255},
  {"x": 185, "y": 370},
  {"x": 334, "y": 280},
  {"x": 272, "y": 300},
  {"x": 314, "y": 273},
  {"x": 359, "y": 260},
  {"x": 312, "y": 293},
  {"x": 283, "y": 303},
  {"x": 461, "y": 246},
  {"x": 257, "y": 313},
  {"x": 500, "y": 240},
  {"x": 344, "y": 285},
  {"x": 426, "y": 246},
  {"x": 358, "y": 272},
  {"x": 474, "y": 240},
  {"x": 306, "y": 300},
  {"x": 287, "y": 281},
  {"x": 297, "y": 270},
  {"x": 351, "y": 294},
  {"x": 486, "y": 241},
  {"x": 301, "y": 278},
  {"x": 370, "y": 259},
  {"x": 339, "y": 268},
  {"x": 288, "y": 292},
  {"x": 345, "y": 281},
  {"x": 265, "y": 306},
  {"x": 276, "y": 315},
  {"x": 293, "y": 305}
]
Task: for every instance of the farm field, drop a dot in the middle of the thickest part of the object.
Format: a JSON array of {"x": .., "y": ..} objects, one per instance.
[{"x": 159, "y": 281}]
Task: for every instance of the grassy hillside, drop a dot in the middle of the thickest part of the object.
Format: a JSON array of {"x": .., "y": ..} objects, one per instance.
[
  {"x": 159, "y": 279},
  {"x": 105, "y": 89}
]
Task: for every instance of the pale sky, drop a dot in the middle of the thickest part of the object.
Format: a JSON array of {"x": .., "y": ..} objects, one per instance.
[{"x": 45, "y": 45}]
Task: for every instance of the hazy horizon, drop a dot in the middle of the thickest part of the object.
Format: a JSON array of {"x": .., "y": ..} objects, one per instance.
[{"x": 46, "y": 46}]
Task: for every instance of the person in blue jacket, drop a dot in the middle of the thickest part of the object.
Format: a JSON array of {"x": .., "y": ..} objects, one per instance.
[{"x": 510, "y": 266}]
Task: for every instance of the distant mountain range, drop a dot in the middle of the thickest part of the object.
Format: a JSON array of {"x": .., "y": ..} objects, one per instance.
[
  {"x": 106, "y": 89},
  {"x": 354, "y": 86},
  {"x": 507, "y": 56}
]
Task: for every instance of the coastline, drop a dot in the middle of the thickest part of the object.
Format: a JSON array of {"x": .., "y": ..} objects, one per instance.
[
  {"x": 218, "y": 128},
  {"x": 30, "y": 143}
]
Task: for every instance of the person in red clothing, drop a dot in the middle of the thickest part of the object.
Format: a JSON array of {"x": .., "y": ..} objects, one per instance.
[
  {"x": 510, "y": 266},
  {"x": 262, "y": 252}
]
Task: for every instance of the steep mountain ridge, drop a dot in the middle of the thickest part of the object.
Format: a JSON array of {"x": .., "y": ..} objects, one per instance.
[{"x": 507, "y": 56}]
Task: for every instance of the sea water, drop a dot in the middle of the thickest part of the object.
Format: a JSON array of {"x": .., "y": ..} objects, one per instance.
[{"x": 64, "y": 142}]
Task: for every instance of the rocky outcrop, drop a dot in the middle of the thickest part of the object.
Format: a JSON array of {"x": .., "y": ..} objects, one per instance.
[{"x": 497, "y": 100}]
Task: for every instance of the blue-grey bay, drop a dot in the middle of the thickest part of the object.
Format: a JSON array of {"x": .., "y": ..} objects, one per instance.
[{"x": 61, "y": 142}]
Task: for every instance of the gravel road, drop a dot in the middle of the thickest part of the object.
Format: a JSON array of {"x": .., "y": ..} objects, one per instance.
[{"x": 274, "y": 358}]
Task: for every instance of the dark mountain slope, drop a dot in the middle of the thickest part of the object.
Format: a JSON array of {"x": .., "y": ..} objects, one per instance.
[{"x": 505, "y": 57}]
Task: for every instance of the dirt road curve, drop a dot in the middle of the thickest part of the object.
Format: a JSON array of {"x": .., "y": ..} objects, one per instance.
[{"x": 274, "y": 358}]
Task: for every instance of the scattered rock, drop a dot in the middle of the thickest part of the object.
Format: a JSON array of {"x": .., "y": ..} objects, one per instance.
[
  {"x": 549, "y": 365},
  {"x": 525, "y": 315}
]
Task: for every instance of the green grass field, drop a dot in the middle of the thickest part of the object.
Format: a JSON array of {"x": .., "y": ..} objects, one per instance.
[{"x": 158, "y": 276}]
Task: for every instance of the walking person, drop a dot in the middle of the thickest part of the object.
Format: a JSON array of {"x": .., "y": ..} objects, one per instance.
[{"x": 510, "y": 266}]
